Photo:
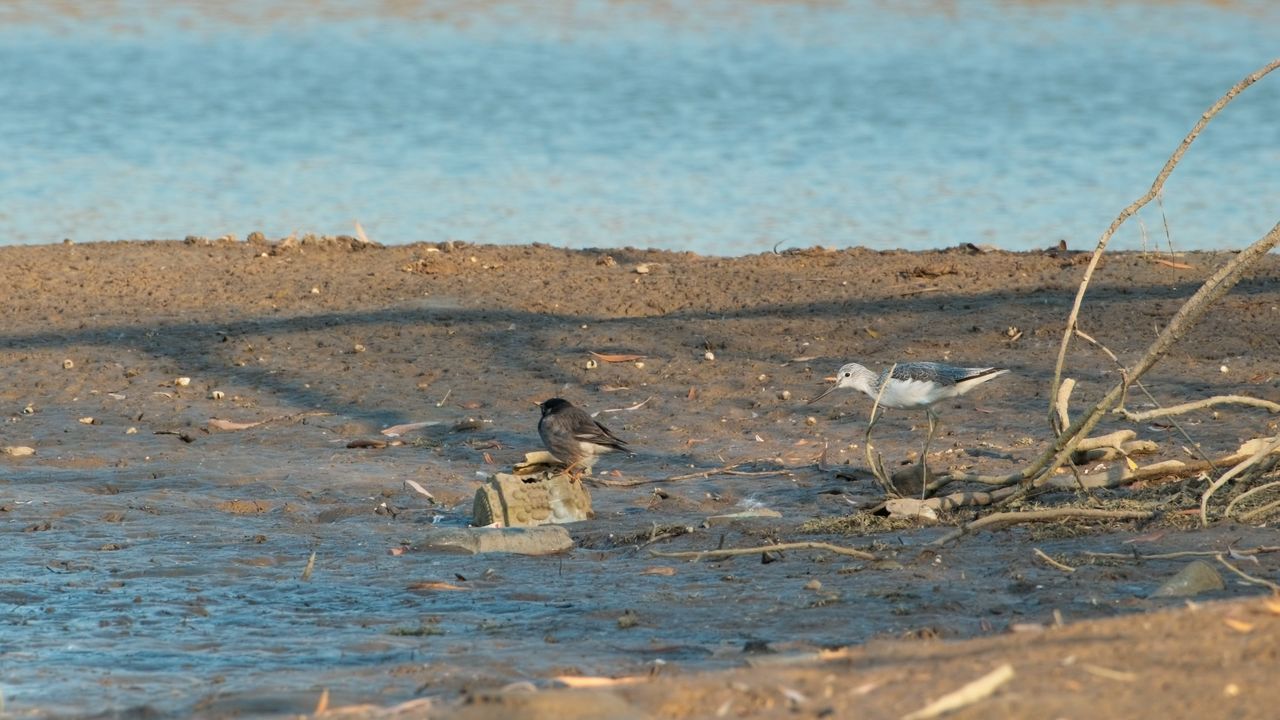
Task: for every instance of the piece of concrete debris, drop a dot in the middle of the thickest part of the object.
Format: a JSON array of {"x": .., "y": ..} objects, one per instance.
[
  {"x": 543, "y": 540},
  {"x": 547, "y": 497},
  {"x": 18, "y": 450},
  {"x": 751, "y": 514},
  {"x": 1195, "y": 578}
]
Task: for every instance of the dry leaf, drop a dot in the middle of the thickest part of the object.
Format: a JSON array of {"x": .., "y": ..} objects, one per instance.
[
  {"x": 967, "y": 695},
  {"x": 434, "y": 585},
  {"x": 637, "y": 406},
  {"x": 398, "y": 430},
  {"x": 871, "y": 332},
  {"x": 1239, "y": 626},
  {"x": 322, "y": 706},
  {"x": 585, "y": 681},
  {"x": 1108, "y": 673},
  {"x": 611, "y": 358},
  {"x": 218, "y": 424},
  {"x": 398, "y": 550},
  {"x": 419, "y": 489}
]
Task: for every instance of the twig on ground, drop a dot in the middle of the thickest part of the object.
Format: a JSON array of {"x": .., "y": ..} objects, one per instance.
[
  {"x": 1013, "y": 518},
  {"x": 697, "y": 555},
  {"x": 1247, "y": 577},
  {"x": 1184, "y": 408},
  {"x": 1051, "y": 562},
  {"x": 1226, "y": 477},
  {"x": 1181, "y": 554},
  {"x": 969, "y": 694},
  {"x": 724, "y": 470},
  {"x": 1259, "y": 511},
  {"x": 1226, "y": 514},
  {"x": 637, "y": 406}
]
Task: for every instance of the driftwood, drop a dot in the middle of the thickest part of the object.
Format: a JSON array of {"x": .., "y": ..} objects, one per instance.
[{"x": 1137, "y": 205}]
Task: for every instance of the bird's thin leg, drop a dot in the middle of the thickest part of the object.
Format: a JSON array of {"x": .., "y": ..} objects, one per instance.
[{"x": 924, "y": 453}]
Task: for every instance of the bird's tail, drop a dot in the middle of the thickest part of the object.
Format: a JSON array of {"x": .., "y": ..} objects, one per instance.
[{"x": 977, "y": 376}]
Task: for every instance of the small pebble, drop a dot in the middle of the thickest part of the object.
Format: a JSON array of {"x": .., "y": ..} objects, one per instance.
[
  {"x": 784, "y": 395},
  {"x": 639, "y": 365},
  {"x": 814, "y": 584},
  {"x": 642, "y": 269},
  {"x": 17, "y": 451},
  {"x": 182, "y": 381},
  {"x": 67, "y": 364},
  {"x": 1224, "y": 369},
  {"x": 358, "y": 348},
  {"x": 131, "y": 431},
  {"x": 591, "y": 364},
  {"x": 811, "y": 421},
  {"x": 708, "y": 355},
  {"x": 86, "y": 421},
  {"x": 315, "y": 291},
  {"x": 217, "y": 394},
  {"x": 28, "y": 410}
]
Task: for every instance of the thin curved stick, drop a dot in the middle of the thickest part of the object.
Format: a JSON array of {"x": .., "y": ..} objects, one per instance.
[
  {"x": 1247, "y": 577},
  {"x": 1226, "y": 477},
  {"x": 696, "y": 555},
  {"x": 1128, "y": 212},
  {"x": 877, "y": 463}
]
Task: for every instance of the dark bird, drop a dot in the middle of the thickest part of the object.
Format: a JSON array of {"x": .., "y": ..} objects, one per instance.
[{"x": 573, "y": 437}]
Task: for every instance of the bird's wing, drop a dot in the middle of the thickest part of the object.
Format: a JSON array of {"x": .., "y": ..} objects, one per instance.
[
  {"x": 601, "y": 435},
  {"x": 586, "y": 429},
  {"x": 926, "y": 372}
]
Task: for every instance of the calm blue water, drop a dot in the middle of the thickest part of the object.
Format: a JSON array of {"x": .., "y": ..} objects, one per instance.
[{"x": 720, "y": 127}]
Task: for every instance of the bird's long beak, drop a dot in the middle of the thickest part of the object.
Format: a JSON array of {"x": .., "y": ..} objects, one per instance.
[{"x": 825, "y": 393}]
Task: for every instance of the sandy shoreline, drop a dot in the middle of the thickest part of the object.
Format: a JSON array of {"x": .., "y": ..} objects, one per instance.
[{"x": 121, "y": 541}]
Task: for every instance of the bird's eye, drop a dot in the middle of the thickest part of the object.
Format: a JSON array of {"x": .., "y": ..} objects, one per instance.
[{"x": 847, "y": 374}]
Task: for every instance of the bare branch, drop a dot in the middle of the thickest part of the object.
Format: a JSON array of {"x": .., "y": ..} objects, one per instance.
[
  {"x": 1197, "y": 405},
  {"x": 1128, "y": 212}
]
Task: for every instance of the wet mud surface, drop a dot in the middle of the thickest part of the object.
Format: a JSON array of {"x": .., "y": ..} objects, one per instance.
[{"x": 154, "y": 556}]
